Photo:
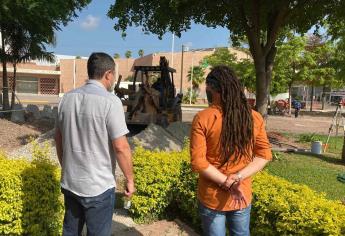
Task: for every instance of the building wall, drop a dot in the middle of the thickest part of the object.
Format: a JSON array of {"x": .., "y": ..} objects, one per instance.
[
  {"x": 70, "y": 80},
  {"x": 73, "y": 72},
  {"x": 32, "y": 70},
  {"x": 67, "y": 67},
  {"x": 125, "y": 67},
  {"x": 32, "y": 65}
]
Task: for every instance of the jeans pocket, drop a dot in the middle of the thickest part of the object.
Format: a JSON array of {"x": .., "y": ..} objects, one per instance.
[{"x": 205, "y": 211}]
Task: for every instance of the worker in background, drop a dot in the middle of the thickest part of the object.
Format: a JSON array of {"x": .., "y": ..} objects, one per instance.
[
  {"x": 297, "y": 105},
  {"x": 228, "y": 146}
]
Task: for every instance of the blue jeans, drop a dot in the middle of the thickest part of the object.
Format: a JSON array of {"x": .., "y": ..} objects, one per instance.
[
  {"x": 96, "y": 212},
  {"x": 214, "y": 222}
]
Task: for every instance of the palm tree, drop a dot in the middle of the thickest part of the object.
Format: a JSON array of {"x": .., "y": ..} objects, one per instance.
[
  {"x": 141, "y": 53},
  {"x": 128, "y": 54},
  {"x": 116, "y": 55},
  {"x": 4, "y": 59},
  {"x": 22, "y": 47},
  {"x": 198, "y": 76}
]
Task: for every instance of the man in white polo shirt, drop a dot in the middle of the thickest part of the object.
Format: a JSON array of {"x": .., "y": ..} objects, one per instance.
[{"x": 90, "y": 138}]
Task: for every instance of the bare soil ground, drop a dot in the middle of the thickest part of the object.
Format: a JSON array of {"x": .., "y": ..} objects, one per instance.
[
  {"x": 303, "y": 124},
  {"x": 285, "y": 124},
  {"x": 13, "y": 136}
]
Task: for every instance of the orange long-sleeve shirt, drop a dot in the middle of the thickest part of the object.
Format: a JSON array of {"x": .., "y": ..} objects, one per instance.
[{"x": 204, "y": 148}]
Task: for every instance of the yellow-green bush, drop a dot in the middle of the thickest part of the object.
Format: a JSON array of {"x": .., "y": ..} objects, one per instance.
[
  {"x": 156, "y": 176},
  {"x": 278, "y": 208},
  {"x": 283, "y": 208},
  {"x": 186, "y": 195},
  {"x": 30, "y": 198}
]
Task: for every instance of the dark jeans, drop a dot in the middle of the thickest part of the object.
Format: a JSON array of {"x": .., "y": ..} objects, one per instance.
[
  {"x": 96, "y": 212},
  {"x": 297, "y": 112}
]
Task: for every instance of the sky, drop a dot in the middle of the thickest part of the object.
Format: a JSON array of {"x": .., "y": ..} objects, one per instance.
[{"x": 93, "y": 31}]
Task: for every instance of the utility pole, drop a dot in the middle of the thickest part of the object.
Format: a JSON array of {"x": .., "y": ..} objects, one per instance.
[
  {"x": 191, "y": 81},
  {"x": 172, "y": 50},
  {"x": 181, "y": 69}
]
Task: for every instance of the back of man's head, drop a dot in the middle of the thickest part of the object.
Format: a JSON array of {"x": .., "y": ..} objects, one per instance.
[{"x": 98, "y": 64}]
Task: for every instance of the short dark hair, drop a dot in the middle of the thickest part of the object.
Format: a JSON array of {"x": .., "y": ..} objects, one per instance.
[{"x": 98, "y": 64}]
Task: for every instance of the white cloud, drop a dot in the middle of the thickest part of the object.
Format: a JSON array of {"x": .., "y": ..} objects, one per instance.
[{"x": 90, "y": 23}]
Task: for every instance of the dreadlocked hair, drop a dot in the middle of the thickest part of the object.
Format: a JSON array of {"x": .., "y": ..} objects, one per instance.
[{"x": 237, "y": 138}]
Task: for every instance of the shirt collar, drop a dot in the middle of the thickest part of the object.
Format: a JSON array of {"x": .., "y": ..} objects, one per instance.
[{"x": 95, "y": 82}]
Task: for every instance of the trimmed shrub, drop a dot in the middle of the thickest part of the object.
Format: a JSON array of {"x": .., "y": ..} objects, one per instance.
[
  {"x": 30, "y": 199},
  {"x": 278, "y": 208},
  {"x": 283, "y": 208},
  {"x": 186, "y": 195},
  {"x": 156, "y": 177}
]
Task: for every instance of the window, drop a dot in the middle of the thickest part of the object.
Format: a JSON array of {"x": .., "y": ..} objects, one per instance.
[{"x": 27, "y": 85}]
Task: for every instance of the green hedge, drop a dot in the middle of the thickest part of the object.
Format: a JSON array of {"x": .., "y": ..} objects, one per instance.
[
  {"x": 279, "y": 207},
  {"x": 156, "y": 177},
  {"x": 30, "y": 198}
]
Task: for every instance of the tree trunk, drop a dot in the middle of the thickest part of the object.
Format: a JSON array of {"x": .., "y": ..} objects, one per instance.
[
  {"x": 261, "y": 88},
  {"x": 13, "y": 99},
  {"x": 264, "y": 68},
  {"x": 5, "y": 101},
  {"x": 323, "y": 97},
  {"x": 343, "y": 152},
  {"x": 290, "y": 102},
  {"x": 312, "y": 98}
]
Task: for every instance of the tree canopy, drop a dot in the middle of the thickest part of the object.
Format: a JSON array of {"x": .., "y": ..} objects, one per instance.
[
  {"x": 262, "y": 22},
  {"x": 244, "y": 68},
  {"x": 116, "y": 55},
  {"x": 128, "y": 54},
  {"x": 141, "y": 53},
  {"x": 29, "y": 26},
  {"x": 198, "y": 76}
]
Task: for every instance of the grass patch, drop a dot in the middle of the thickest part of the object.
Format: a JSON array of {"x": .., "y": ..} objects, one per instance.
[
  {"x": 317, "y": 172},
  {"x": 335, "y": 144}
]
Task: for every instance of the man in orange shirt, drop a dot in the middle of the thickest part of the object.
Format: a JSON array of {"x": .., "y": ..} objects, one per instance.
[{"x": 228, "y": 145}]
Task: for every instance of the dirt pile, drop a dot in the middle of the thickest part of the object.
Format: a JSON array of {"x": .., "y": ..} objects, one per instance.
[
  {"x": 25, "y": 151},
  {"x": 179, "y": 130},
  {"x": 153, "y": 137},
  {"x": 156, "y": 137}
]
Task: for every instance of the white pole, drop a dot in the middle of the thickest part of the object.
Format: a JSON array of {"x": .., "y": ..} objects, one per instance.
[
  {"x": 172, "y": 50},
  {"x": 191, "y": 80},
  {"x": 74, "y": 73},
  {"x": 116, "y": 71}
]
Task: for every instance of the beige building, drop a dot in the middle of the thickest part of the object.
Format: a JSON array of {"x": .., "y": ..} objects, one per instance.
[{"x": 41, "y": 78}]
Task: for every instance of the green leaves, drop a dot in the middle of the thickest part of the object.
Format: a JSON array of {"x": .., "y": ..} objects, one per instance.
[
  {"x": 157, "y": 174},
  {"x": 308, "y": 60},
  {"x": 244, "y": 68},
  {"x": 30, "y": 196},
  {"x": 141, "y": 53},
  {"x": 128, "y": 54},
  {"x": 290, "y": 64},
  {"x": 262, "y": 23},
  {"x": 280, "y": 207},
  {"x": 198, "y": 76}
]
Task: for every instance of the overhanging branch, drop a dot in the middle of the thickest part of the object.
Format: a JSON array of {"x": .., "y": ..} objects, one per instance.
[
  {"x": 273, "y": 28},
  {"x": 254, "y": 42}
]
